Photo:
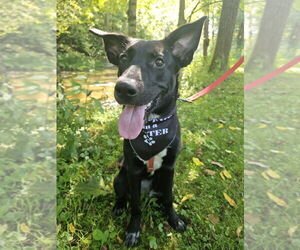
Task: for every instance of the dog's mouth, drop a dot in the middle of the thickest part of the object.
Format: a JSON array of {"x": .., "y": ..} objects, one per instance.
[{"x": 131, "y": 120}]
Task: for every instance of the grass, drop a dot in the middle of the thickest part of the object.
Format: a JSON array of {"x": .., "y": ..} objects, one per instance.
[
  {"x": 271, "y": 138},
  {"x": 88, "y": 151}
]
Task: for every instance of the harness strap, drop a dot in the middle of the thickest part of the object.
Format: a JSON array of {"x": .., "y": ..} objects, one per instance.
[{"x": 150, "y": 165}]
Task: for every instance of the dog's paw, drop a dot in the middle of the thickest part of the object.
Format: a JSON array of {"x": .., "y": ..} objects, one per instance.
[
  {"x": 118, "y": 210},
  {"x": 177, "y": 223},
  {"x": 132, "y": 239}
]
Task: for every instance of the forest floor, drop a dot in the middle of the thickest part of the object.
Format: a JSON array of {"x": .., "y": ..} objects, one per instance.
[
  {"x": 272, "y": 164},
  {"x": 208, "y": 187}
]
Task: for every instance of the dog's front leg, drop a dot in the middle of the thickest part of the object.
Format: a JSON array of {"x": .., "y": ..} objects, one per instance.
[
  {"x": 165, "y": 185},
  {"x": 134, "y": 177},
  {"x": 167, "y": 175}
]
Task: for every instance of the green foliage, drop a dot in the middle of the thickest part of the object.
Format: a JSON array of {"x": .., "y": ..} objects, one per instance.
[
  {"x": 75, "y": 43},
  {"x": 27, "y": 38},
  {"x": 27, "y": 168},
  {"x": 74, "y": 60},
  {"x": 77, "y": 48},
  {"x": 89, "y": 146},
  {"x": 152, "y": 242},
  {"x": 89, "y": 149}
]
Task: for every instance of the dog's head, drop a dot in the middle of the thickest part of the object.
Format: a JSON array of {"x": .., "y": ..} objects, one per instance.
[{"x": 147, "y": 71}]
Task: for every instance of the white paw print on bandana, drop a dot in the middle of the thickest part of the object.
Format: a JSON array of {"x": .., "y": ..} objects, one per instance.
[{"x": 149, "y": 140}]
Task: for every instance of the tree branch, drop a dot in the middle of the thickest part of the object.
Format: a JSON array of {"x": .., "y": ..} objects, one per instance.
[{"x": 194, "y": 10}]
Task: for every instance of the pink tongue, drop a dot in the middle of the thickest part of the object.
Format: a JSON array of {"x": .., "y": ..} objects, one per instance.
[{"x": 131, "y": 121}]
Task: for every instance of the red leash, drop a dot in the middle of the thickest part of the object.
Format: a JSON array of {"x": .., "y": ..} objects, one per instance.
[
  {"x": 215, "y": 83},
  {"x": 222, "y": 79},
  {"x": 272, "y": 74},
  {"x": 247, "y": 86}
]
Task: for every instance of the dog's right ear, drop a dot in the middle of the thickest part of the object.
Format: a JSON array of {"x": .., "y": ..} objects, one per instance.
[{"x": 114, "y": 43}]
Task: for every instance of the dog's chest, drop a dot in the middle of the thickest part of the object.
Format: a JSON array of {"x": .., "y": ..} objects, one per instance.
[
  {"x": 146, "y": 185},
  {"x": 157, "y": 162}
]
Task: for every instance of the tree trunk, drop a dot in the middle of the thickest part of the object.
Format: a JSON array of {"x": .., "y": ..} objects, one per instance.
[
  {"x": 225, "y": 34},
  {"x": 206, "y": 38},
  {"x": 131, "y": 13},
  {"x": 269, "y": 36},
  {"x": 206, "y": 33},
  {"x": 240, "y": 37},
  {"x": 106, "y": 21},
  {"x": 181, "y": 19}
]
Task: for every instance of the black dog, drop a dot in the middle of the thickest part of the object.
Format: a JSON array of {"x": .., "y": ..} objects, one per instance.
[{"x": 148, "y": 88}]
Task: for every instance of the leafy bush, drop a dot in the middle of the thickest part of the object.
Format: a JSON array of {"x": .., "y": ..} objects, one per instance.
[{"x": 27, "y": 160}]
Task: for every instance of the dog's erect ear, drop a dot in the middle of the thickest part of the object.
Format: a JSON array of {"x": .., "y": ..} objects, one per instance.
[
  {"x": 114, "y": 44},
  {"x": 184, "y": 41}
]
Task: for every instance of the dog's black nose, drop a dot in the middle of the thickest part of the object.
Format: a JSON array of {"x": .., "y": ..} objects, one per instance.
[{"x": 125, "y": 90}]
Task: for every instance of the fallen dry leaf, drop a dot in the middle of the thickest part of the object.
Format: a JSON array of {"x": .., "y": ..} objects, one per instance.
[
  {"x": 220, "y": 125},
  {"x": 222, "y": 176},
  {"x": 284, "y": 128},
  {"x": 58, "y": 227},
  {"x": 230, "y": 200},
  {"x": 213, "y": 120},
  {"x": 251, "y": 120},
  {"x": 238, "y": 231},
  {"x": 72, "y": 228},
  {"x": 258, "y": 164},
  {"x": 265, "y": 175},
  {"x": 187, "y": 196},
  {"x": 277, "y": 200},
  {"x": 209, "y": 172},
  {"x": 217, "y": 164},
  {"x": 252, "y": 219},
  {"x": 272, "y": 174},
  {"x": 24, "y": 228},
  {"x": 292, "y": 230},
  {"x": 265, "y": 121},
  {"x": 276, "y": 151},
  {"x": 198, "y": 162},
  {"x": 234, "y": 128},
  {"x": 119, "y": 239},
  {"x": 262, "y": 125},
  {"x": 215, "y": 219},
  {"x": 226, "y": 174}
]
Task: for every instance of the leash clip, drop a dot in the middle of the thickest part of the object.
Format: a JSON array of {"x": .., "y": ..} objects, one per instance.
[{"x": 184, "y": 100}]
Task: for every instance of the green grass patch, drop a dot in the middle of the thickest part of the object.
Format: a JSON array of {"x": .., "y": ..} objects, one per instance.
[
  {"x": 272, "y": 143},
  {"x": 88, "y": 152}
]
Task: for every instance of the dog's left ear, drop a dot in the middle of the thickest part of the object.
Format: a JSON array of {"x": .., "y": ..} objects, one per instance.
[
  {"x": 184, "y": 41},
  {"x": 115, "y": 44}
]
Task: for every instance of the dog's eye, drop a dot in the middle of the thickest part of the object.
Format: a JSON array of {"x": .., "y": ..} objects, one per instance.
[
  {"x": 159, "y": 62},
  {"x": 123, "y": 57}
]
